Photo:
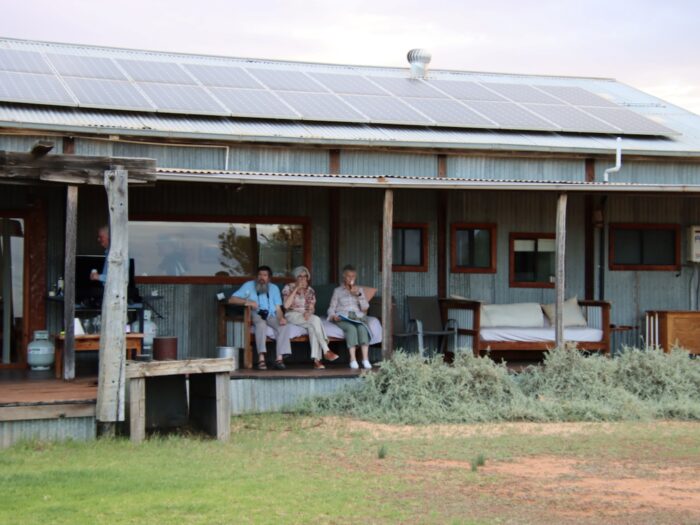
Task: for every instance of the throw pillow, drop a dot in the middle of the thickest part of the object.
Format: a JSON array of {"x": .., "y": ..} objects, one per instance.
[{"x": 572, "y": 313}]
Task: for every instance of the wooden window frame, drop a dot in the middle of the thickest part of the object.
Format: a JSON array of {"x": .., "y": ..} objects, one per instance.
[
  {"x": 305, "y": 222},
  {"x": 517, "y": 236},
  {"x": 454, "y": 227},
  {"x": 613, "y": 227},
  {"x": 423, "y": 226}
]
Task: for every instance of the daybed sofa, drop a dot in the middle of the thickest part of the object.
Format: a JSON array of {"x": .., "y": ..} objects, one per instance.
[{"x": 528, "y": 326}]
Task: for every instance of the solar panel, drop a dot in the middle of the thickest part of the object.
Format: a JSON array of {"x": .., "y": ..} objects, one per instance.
[
  {"x": 447, "y": 112},
  {"x": 465, "y": 90},
  {"x": 286, "y": 80},
  {"x": 577, "y": 96},
  {"x": 349, "y": 84},
  {"x": 23, "y": 61},
  {"x": 223, "y": 76},
  {"x": 33, "y": 88},
  {"x": 407, "y": 87},
  {"x": 82, "y": 66},
  {"x": 521, "y": 93},
  {"x": 165, "y": 72},
  {"x": 570, "y": 118},
  {"x": 322, "y": 106},
  {"x": 629, "y": 122},
  {"x": 253, "y": 103},
  {"x": 388, "y": 110},
  {"x": 188, "y": 99},
  {"x": 510, "y": 116},
  {"x": 107, "y": 93}
]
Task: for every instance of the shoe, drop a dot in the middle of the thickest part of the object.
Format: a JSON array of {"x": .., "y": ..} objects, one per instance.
[
  {"x": 354, "y": 365},
  {"x": 330, "y": 356},
  {"x": 262, "y": 365},
  {"x": 366, "y": 365},
  {"x": 278, "y": 365},
  {"x": 318, "y": 365}
]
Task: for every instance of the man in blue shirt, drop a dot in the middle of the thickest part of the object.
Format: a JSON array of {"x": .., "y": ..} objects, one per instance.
[
  {"x": 103, "y": 240},
  {"x": 265, "y": 302}
]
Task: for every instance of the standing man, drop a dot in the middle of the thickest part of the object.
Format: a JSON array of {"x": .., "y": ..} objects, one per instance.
[
  {"x": 265, "y": 302},
  {"x": 103, "y": 240}
]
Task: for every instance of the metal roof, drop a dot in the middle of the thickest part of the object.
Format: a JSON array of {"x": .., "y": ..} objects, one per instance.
[
  {"x": 145, "y": 123},
  {"x": 411, "y": 182}
]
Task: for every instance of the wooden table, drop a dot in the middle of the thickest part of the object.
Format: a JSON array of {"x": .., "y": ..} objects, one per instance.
[
  {"x": 84, "y": 343},
  {"x": 209, "y": 392}
]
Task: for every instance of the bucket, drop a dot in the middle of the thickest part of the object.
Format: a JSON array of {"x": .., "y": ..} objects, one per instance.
[
  {"x": 228, "y": 351},
  {"x": 165, "y": 348}
]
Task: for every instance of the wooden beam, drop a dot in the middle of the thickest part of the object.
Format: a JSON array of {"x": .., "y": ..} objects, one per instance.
[
  {"x": 53, "y": 411},
  {"x": 111, "y": 378},
  {"x": 560, "y": 283},
  {"x": 589, "y": 235},
  {"x": 387, "y": 261},
  {"x": 69, "y": 282},
  {"x": 442, "y": 229},
  {"x": 333, "y": 219},
  {"x": 73, "y": 168},
  {"x": 181, "y": 366}
]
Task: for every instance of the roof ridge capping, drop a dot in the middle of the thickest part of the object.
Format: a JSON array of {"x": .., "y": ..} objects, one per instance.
[{"x": 263, "y": 61}]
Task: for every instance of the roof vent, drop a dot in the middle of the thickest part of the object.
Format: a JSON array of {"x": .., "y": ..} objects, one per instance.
[{"x": 419, "y": 60}]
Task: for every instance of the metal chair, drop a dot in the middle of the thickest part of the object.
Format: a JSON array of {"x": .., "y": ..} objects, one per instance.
[{"x": 424, "y": 314}]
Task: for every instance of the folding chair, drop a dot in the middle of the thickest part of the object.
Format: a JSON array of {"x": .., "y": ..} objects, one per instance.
[{"x": 424, "y": 313}]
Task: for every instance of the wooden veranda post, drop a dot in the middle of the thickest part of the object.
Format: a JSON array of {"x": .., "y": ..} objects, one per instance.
[
  {"x": 111, "y": 379},
  {"x": 69, "y": 283},
  {"x": 560, "y": 282},
  {"x": 387, "y": 261}
]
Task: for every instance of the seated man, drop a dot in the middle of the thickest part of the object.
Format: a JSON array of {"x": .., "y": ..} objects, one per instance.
[{"x": 265, "y": 301}]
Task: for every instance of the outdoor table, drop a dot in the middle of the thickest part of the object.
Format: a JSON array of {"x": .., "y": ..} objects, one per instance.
[
  {"x": 209, "y": 392},
  {"x": 91, "y": 342}
]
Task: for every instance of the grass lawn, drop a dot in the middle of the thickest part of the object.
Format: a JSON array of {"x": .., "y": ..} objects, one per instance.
[{"x": 300, "y": 469}]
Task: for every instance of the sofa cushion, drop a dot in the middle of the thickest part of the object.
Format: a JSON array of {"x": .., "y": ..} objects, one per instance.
[
  {"x": 519, "y": 315},
  {"x": 572, "y": 313}
]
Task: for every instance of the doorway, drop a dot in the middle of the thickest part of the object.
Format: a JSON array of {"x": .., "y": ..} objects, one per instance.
[{"x": 13, "y": 318}]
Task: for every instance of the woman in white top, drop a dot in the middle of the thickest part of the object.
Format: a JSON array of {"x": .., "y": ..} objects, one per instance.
[{"x": 348, "y": 309}]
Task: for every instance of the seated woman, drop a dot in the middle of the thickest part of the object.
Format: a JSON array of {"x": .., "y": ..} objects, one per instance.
[
  {"x": 299, "y": 302},
  {"x": 348, "y": 309}
]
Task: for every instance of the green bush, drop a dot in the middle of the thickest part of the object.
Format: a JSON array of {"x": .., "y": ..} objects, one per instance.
[{"x": 568, "y": 387}]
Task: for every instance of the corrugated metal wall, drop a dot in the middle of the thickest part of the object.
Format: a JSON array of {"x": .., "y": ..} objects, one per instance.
[
  {"x": 279, "y": 160},
  {"x": 651, "y": 172},
  {"x": 516, "y": 212},
  {"x": 371, "y": 163},
  {"x": 59, "y": 429},
  {"x": 494, "y": 168},
  {"x": 273, "y": 395},
  {"x": 24, "y": 143}
]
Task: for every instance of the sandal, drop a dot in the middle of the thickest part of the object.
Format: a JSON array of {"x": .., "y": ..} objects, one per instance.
[
  {"x": 329, "y": 355},
  {"x": 318, "y": 365},
  {"x": 262, "y": 365}
]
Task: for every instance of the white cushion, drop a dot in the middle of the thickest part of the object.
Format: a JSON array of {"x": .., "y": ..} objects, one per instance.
[
  {"x": 519, "y": 315},
  {"x": 572, "y": 313}
]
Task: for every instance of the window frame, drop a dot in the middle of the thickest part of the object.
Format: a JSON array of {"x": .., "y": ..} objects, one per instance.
[
  {"x": 305, "y": 222},
  {"x": 614, "y": 227},
  {"x": 456, "y": 226},
  {"x": 517, "y": 236},
  {"x": 423, "y": 226}
]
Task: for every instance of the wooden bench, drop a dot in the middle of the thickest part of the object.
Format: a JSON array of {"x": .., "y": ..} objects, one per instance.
[
  {"x": 86, "y": 343},
  {"x": 472, "y": 328}
]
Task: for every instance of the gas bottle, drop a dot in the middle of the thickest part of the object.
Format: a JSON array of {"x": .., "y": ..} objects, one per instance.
[{"x": 40, "y": 352}]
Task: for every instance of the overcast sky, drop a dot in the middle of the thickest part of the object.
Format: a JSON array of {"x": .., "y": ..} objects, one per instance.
[{"x": 653, "y": 45}]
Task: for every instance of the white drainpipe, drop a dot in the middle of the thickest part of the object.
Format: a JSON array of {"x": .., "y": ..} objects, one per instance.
[{"x": 618, "y": 161}]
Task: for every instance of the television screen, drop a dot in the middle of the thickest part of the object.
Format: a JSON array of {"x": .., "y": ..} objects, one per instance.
[{"x": 88, "y": 292}]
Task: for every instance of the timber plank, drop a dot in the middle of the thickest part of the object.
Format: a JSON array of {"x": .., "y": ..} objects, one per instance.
[
  {"x": 46, "y": 411},
  {"x": 184, "y": 366}
]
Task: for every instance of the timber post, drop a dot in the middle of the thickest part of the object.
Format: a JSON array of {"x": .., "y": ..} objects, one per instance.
[
  {"x": 69, "y": 283},
  {"x": 560, "y": 279},
  {"x": 387, "y": 261},
  {"x": 111, "y": 379}
]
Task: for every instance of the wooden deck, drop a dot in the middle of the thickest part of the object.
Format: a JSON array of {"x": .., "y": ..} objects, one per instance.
[{"x": 38, "y": 391}]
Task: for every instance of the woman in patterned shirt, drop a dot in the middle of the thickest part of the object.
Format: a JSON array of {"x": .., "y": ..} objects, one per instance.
[{"x": 299, "y": 303}]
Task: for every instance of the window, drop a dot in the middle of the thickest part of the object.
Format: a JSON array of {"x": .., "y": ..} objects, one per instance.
[
  {"x": 473, "y": 248},
  {"x": 410, "y": 247},
  {"x": 215, "y": 249},
  {"x": 532, "y": 260},
  {"x": 645, "y": 247}
]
